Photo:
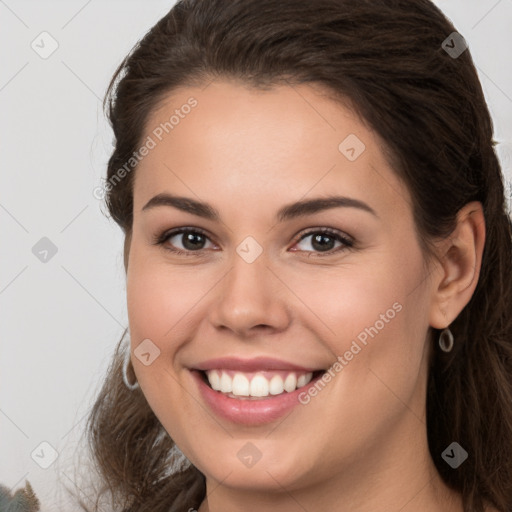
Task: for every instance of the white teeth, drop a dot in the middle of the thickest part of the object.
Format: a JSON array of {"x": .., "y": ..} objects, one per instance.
[
  {"x": 290, "y": 383},
  {"x": 214, "y": 379},
  {"x": 301, "y": 381},
  {"x": 226, "y": 383},
  {"x": 276, "y": 385},
  {"x": 241, "y": 385},
  {"x": 259, "y": 386}
]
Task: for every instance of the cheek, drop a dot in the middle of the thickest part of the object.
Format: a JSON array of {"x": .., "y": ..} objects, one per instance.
[
  {"x": 160, "y": 297},
  {"x": 382, "y": 293},
  {"x": 374, "y": 317},
  {"x": 158, "y": 304}
]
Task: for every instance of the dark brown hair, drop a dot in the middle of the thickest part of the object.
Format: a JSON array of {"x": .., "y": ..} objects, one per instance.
[{"x": 384, "y": 57}]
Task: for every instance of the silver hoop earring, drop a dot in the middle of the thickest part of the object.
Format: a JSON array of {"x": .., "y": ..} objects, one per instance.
[
  {"x": 446, "y": 340},
  {"x": 126, "y": 362}
]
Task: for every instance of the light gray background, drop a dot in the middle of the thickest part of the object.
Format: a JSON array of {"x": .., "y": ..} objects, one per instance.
[{"x": 61, "y": 319}]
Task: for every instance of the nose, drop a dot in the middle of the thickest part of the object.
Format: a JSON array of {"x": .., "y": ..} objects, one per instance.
[{"x": 250, "y": 300}]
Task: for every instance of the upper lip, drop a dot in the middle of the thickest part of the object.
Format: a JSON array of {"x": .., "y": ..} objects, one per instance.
[{"x": 251, "y": 365}]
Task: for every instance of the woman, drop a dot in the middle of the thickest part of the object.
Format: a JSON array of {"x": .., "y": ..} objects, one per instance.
[{"x": 318, "y": 262}]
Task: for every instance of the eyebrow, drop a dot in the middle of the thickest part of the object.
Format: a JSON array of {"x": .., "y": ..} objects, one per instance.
[{"x": 287, "y": 212}]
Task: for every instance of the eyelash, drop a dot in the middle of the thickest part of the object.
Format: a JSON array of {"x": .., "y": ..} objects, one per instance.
[{"x": 347, "y": 242}]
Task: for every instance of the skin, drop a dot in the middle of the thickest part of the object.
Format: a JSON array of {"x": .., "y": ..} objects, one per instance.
[{"x": 360, "y": 444}]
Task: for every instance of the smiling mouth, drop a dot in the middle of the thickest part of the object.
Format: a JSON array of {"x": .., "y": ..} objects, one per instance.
[{"x": 257, "y": 385}]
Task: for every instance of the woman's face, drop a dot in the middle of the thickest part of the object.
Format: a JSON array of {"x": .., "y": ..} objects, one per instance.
[{"x": 252, "y": 298}]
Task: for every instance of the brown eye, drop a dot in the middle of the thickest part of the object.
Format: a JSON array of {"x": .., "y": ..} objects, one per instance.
[
  {"x": 324, "y": 240},
  {"x": 191, "y": 241}
]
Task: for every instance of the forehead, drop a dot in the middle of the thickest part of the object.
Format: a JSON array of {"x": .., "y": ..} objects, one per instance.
[{"x": 231, "y": 140}]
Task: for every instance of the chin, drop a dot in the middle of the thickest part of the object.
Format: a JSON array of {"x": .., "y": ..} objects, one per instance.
[{"x": 273, "y": 471}]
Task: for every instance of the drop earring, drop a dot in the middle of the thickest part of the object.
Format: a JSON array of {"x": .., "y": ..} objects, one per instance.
[
  {"x": 446, "y": 340},
  {"x": 126, "y": 363}
]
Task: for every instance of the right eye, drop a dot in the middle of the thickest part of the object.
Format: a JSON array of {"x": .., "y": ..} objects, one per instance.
[{"x": 191, "y": 239}]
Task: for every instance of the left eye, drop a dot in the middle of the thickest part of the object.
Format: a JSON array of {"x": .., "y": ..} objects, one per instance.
[
  {"x": 193, "y": 241},
  {"x": 322, "y": 240}
]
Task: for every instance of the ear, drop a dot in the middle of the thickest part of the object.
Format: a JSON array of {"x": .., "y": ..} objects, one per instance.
[{"x": 460, "y": 258}]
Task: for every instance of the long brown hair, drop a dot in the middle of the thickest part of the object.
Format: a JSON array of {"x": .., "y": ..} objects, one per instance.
[{"x": 386, "y": 58}]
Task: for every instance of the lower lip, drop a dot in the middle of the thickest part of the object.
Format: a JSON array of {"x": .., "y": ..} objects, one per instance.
[{"x": 250, "y": 412}]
